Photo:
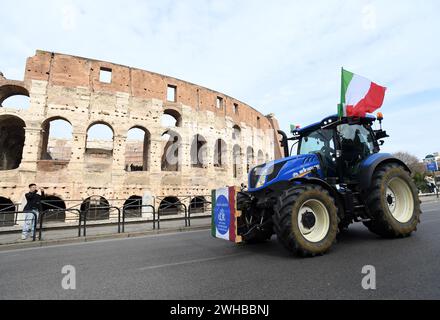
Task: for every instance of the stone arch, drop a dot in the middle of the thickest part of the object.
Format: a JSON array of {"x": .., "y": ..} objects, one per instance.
[
  {"x": 198, "y": 204},
  {"x": 56, "y": 145},
  {"x": 171, "y": 118},
  {"x": 54, "y": 208},
  {"x": 96, "y": 208},
  {"x": 236, "y": 132},
  {"x": 100, "y": 138},
  {"x": 250, "y": 159},
  {"x": 12, "y": 137},
  {"x": 133, "y": 207},
  {"x": 170, "y": 205},
  {"x": 137, "y": 149},
  {"x": 236, "y": 161},
  {"x": 14, "y": 96},
  {"x": 171, "y": 156},
  {"x": 199, "y": 148},
  {"x": 220, "y": 153},
  {"x": 7, "y": 209}
]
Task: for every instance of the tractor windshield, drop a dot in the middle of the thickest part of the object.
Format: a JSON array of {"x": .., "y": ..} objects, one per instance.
[{"x": 320, "y": 141}]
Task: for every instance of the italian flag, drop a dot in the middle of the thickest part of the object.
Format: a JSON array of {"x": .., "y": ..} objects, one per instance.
[
  {"x": 225, "y": 214},
  {"x": 359, "y": 95}
]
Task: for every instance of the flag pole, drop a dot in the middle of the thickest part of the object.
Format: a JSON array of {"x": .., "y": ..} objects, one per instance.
[{"x": 341, "y": 104}]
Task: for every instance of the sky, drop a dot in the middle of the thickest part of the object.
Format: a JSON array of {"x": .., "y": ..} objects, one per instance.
[{"x": 281, "y": 57}]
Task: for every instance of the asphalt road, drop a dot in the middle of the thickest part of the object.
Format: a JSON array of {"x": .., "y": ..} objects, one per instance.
[{"x": 195, "y": 266}]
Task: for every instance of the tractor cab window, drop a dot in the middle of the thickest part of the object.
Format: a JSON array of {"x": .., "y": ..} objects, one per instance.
[
  {"x": 356, "y": 142},
  {"x": 320, "y": 141}
]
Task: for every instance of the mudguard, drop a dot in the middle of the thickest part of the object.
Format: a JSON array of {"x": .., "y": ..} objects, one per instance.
[{"x": 369, "y": 165}]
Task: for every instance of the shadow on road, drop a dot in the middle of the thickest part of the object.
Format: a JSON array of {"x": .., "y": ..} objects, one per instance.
[{"x": 355, "y": 235}]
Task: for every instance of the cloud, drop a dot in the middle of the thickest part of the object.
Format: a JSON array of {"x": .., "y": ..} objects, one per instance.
[{"x": 280, "y": 56}]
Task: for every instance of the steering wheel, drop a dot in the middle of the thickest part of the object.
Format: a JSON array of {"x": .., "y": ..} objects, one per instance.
[{"x": 327, "y": 151}]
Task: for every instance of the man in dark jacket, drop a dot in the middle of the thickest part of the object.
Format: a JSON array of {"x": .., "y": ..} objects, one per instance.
[{"x": 33, "y": 203}]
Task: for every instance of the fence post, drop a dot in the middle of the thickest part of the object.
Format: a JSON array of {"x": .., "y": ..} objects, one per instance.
[
  {"x": 79, "y": 223},
  {"x": 154, "y": 218},
  {"x": 123, "y": 219},
  {"x": 158, "y": 219},
  {"x": 119, "y": 220},
  {"x": 186, "y": 215},
  {"x": 189, "y": 216},
  {"x": 41, "y": 225},
  {"x": 34, "y": 236},
  {"x": 85, "y": 222}
]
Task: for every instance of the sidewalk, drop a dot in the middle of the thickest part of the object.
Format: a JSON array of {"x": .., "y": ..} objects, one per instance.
[
  {"x": 428, "y": 197},
  {"x": 69, "y": 234}
]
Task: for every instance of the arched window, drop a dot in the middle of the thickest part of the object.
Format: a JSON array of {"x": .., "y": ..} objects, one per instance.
[
  {"x": 53, "y": 208},
  {"x": 96, "y": 208},
  {"x": 260, "y": 157},
  {"x": 198, "y": 204},
  {"x": 249, "y": 159},
  {"x": 219, "y": 153},
  {"x": 170, "y": 205},
  {"x": 14, "y": 97},
  {"x": 198, "y": 152},
  {"x": 12, "y": 137},
  {"x": 236, "y": 132},
  {"x": 133, "y": 207},
  {"x": 56, "y": 140},
  {"x": 236, "y": 158},
  {"x": 99, "y": 139},
  {"x": 7, "y": 209},
  {"x": 171, "y": 118},
  {"x": 137, "y": 149},
  {"x": 171, "y": 151}
]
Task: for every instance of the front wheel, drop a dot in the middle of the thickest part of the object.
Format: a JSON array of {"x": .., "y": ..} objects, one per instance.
[
  {"x": 393, "y": 203},
  {"x": 306, "y": 220}
]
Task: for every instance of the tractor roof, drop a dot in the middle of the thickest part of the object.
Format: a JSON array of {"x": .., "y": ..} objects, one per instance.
[{"x": 332, "y": 119}]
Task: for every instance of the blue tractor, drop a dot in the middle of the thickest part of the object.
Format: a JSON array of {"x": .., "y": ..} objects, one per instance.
[{"x": 338, "y": 177}]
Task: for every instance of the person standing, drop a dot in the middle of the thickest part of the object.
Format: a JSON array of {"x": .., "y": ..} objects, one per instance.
[{"x": 33, "y": 202}]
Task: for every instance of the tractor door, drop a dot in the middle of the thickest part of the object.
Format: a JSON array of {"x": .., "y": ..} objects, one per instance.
[
  {"x": 321, "y": 143},
  {"x": 356, "y": 143}
]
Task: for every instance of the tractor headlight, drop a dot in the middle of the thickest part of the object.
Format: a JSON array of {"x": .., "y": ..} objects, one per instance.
[{"x": 262, "y": 176}]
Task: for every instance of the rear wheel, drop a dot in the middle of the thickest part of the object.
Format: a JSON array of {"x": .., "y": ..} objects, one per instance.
[
  {"x": 306, "y": 220},
  {"x": 393, "y": 203}
]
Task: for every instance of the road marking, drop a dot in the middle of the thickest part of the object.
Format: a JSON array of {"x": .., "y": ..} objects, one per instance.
[{"x": 190, "y": 261}]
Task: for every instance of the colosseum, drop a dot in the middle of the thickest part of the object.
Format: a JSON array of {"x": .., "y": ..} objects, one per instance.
[{"x": 133, "y": 134}]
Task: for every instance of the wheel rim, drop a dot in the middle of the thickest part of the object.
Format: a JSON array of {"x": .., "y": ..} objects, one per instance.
[
  {"x": 399, "y": 200},
  {"x": 313, "y": 220}
]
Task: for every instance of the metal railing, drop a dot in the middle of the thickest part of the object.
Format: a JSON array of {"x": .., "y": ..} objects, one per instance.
[
  {"x": 85, "y": 214},
  {"x": 82, "y": 214},
  {"x": 195, "y": 205},
  {"x": 170, "y": 205},
  {"x": 126, "y": 207},
  {"x": 44, "y": 213}
]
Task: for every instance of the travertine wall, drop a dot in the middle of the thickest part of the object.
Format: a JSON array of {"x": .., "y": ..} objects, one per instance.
[{"x": 67, "y": 87}]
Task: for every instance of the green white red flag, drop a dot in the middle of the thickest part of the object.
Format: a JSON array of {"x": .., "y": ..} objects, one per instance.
[{"x": 359, "y": 95}]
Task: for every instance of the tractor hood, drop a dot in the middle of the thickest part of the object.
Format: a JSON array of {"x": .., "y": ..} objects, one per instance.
[{"x": 284, "y": 169}]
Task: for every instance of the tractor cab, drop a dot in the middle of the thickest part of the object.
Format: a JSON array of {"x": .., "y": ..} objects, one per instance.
[{"x": 341, "y": 144}]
